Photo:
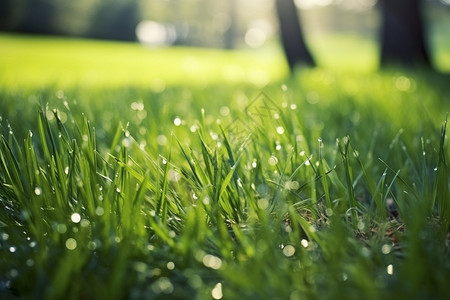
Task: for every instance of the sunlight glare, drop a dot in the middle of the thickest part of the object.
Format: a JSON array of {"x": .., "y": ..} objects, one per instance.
[{"x": 151, "y": 33}]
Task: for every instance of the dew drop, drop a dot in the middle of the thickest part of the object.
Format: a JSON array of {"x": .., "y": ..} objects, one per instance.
[
  {"x": 85, "y": 223},
  {"x": 273, "y": 160},
  {"x": 212, "y": 261},
  {"x": 386, "y": 249},
  {"x": 13, "y": 273},
  {"x": 61, "y": 228},
  {"x": 304, "y": 243},
  {"x": 161, "y": 140},
  {"x": 224, "y": 111},
  {"x": 280, "y": 130},
  {"x": 177, "y": 121},
  {"x": 38, "y": 191},
  {"x": 289, "y": 250},
  {"x": 263, "y": 203},
  {"x": 99, "y": 211},
  {"x": 92, "y": 245},
  {"x": 75, "y": 217},
  {"x": 71, "y": 243},
  {"x": 12, "y": 249},
  {"x": 29, "y": 262},
  {"x": 216, "y": 292},
  {"x": 390, "y": 269},
  {"x": 170, "y": 265}
]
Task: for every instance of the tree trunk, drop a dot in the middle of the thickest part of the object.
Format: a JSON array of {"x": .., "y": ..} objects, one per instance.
[
  {"x": 402, "y": 35},
  {"x": 292, "y": 36}
]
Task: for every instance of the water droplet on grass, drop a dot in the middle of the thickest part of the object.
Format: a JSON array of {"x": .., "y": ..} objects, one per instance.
[
  {"x": 216, "y": 292},
  {"x": 224, "y": 111},
  {"x": 386, "y": 249},
  {"x": 390, "y": 269},
  {"x": 71, "y": 244},
  {"x": 263, "y": 203},
  {"x": 61, "y": 228},
  {"x": 254, "y": 164},
  {"x": 38, "y": 191},
  {"x": 85, "y": 223},
  {"x": 177, "y": 121},
  {"x": 13, "y": 273},
  {"x": 170, "y": 265},
  {"x": 92, "y": 245},
  {"x": 75, "y": 217},
  {"x": 163, "y": 285},
  {"x": 280, "y": 130},
  {"x": 304, "y": 243},
  {"x": 12, "y": 249},
  {"x": 29, "y": 262},
  {"x": 273, "y": 160},
  {"x": 288, "y": 250},
  {"x": 212, "y": 261}
]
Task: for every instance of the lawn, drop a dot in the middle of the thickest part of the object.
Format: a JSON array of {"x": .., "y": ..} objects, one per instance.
[{"x": 182, "y": 173}]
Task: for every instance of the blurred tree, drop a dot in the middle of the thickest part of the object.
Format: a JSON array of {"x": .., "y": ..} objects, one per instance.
[
  {"x": 115, "y": 19},
  {"x": 291, "y": 34},
  {"x": 38, "y": 17},
  {"x": 402, "y": 34}
]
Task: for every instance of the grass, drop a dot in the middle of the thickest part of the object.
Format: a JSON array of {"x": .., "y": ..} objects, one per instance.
[{"x": 327, "y": 184}]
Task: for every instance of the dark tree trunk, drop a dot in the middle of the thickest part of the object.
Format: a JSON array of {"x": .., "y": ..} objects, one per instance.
[
  {"x": 402, "y": 34},
  {"x": 291, "y": 34}
]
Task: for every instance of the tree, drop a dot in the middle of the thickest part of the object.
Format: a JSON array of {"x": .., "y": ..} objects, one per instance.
[
  {"x": 291, "y": 35},
  {"x": 116, "y": 20},
  {"x": 402, "y": 34}
]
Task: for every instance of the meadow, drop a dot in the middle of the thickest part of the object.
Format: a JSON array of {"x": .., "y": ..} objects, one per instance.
[{"x": 183, "y": 173}]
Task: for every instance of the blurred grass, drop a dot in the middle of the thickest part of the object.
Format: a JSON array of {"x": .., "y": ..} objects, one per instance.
[{"x": 37, "y": 61}]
